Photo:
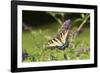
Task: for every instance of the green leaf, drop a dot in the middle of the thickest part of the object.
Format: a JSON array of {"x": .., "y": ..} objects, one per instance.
[{"x": 77, "y": 20}]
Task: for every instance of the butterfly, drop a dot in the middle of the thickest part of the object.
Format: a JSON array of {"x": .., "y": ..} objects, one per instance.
[{"x": 60, "y": 41}]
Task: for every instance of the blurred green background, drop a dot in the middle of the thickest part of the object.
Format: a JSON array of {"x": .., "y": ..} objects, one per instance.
[{"x": 41, "y": 26}]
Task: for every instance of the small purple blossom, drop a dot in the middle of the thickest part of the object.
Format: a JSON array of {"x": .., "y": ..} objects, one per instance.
[
  {"x": 66, "y": 25},
  {"x": 24, "y": 55}
]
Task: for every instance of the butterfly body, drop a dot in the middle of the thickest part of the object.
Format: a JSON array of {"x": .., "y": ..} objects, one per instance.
[{"x": 60, "y": 41}]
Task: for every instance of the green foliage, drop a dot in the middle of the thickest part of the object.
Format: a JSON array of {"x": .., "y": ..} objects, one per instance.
[{"x": 34, "y": 42}]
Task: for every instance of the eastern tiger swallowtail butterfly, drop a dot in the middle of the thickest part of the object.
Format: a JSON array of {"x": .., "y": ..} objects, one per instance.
[{"x": 60, "y": 41}]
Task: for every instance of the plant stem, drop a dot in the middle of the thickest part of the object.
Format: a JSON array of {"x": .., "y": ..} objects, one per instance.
[
  {"x": 58, "y": 20},
  {"x": 81, "y": 25}
]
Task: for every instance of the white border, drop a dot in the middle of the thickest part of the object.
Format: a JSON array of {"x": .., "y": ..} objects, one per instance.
[{"x": 53, "y": 63}]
